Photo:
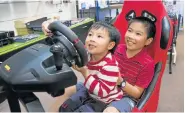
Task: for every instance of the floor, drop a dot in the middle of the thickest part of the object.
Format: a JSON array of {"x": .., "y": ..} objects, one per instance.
[{"x": 172, "y": 87}]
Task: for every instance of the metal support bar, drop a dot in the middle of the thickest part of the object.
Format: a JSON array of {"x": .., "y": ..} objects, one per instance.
[
  {"x": 13, "y": 101},
  {"x": 31, "y": 102},
  {"x": 97, "y": 10}
]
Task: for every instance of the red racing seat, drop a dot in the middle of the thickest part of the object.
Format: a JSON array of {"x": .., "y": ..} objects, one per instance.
[{"x": 154, "y": 10}]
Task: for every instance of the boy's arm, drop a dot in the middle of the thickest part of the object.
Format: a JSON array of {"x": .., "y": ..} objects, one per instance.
[
  {"x": 134, "y": 91},
  {"x": 143, "y": 80},
  {"x": 103, "y": 81}
]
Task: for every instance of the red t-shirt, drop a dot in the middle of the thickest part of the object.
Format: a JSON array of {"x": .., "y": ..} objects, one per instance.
[{"x": 138, "y": 70}]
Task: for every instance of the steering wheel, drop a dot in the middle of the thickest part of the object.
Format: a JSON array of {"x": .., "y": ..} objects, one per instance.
[
  {"x": 38, "y": 73},
  {"x": 74, "y": 48}
]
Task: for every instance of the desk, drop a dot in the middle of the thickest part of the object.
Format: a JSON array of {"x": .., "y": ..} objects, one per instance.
[{"x": 80, "y": 29}]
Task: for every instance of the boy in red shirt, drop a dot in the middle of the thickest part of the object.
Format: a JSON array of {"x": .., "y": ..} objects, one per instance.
[{"x": 136, "y": 66}]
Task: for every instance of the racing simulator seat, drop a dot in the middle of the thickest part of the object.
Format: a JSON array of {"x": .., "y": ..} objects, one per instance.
[
  {"x": 41, "y": 68},
  {"x": 158, "y": 49}
]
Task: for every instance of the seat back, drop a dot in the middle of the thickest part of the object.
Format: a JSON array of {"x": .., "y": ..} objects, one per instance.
[{"x": 155, "y": 11}]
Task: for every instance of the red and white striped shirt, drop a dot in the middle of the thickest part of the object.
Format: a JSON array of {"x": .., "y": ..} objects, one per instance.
[{"x": 102, "y": 79}]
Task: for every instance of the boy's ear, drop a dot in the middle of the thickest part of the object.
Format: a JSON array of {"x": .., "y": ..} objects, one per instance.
[
  {"x": 148, "y": 41},
  {"x": 111, "y": 45}
]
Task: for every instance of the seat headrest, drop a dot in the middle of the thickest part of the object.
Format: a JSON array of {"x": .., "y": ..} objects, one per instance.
[{"x": 155, "y": 11}]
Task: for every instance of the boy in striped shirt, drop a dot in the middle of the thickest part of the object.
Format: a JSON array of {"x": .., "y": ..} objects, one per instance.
[{"x": 101, "y": 73}]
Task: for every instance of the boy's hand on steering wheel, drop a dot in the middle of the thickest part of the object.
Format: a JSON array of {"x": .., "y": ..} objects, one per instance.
[
  {"x": 84, "y": 70},
  {"x": 45, "y": 29}
]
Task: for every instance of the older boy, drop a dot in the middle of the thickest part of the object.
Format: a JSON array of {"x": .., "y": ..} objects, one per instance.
[{"x": 136, "y": 66}]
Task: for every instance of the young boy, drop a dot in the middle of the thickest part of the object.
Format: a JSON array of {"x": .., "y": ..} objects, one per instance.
[
  {"x": 136, "y": 66},
  {"x": 101, "y": 73}
]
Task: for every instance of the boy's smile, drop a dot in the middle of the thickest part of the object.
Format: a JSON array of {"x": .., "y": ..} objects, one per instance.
[{"x": 130, "y": 43}]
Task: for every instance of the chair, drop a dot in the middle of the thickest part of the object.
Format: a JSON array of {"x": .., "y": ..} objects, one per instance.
[{"x": 158, "y": 49}]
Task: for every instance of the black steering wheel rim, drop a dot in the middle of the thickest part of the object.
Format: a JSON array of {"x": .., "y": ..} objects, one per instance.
[{"x": 82, "y": 57}]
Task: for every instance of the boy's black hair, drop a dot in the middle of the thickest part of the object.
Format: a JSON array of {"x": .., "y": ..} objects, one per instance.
[
  {"x": 150, "y": 25},
  {"x": 113, "y": 32}
]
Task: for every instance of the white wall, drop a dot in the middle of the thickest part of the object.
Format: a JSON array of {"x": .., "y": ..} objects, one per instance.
[
  {"x": 9, "y": 12},
  {"x": 178, "y": 8}
]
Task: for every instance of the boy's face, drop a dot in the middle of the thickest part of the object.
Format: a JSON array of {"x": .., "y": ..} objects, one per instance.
[
  {"x": 98, "y": 42},
  {"x": 136, "y": 36}
]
